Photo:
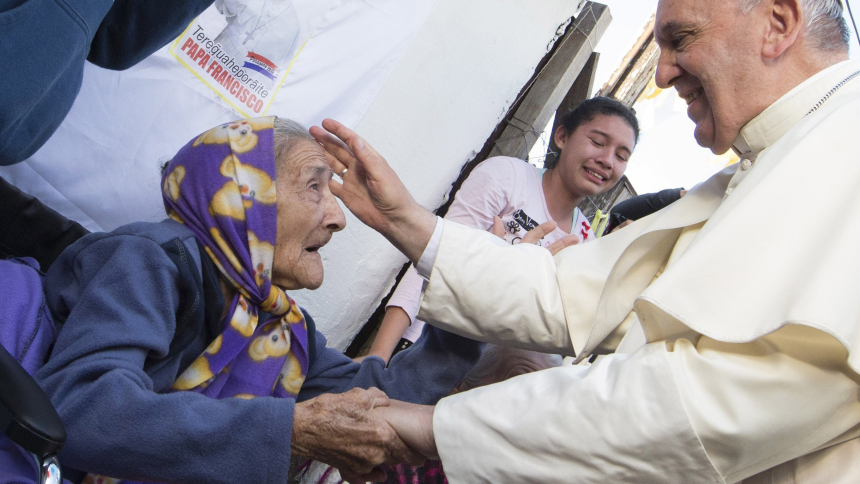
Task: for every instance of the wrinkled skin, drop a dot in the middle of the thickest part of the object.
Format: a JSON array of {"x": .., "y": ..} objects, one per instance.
[
  {"x": 706, "y": 56},
  {"x": 342, "y": 430},
  {"x": 729, "y": 65},
  {"x": 346, "y": 432},
  {"x": 308, "y": 215},
  {"x": 372, "y": 190}
]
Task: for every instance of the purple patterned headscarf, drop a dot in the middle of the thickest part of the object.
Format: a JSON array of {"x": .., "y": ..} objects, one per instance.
[{"x": 221, "y": 185}]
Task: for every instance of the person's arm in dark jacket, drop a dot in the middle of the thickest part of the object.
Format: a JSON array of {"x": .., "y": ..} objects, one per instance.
[
  {"x": 424, "y": 373},
  {"x": 119, "y": 296},
  {"x": 134, "y": 29},
  {"x": 32, "y": 229}
]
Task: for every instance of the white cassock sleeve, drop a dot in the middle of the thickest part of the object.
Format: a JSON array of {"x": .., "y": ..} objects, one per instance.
[
  {"x": 534, "y": 297},
  {"x": 711, "y": 412},
  {"x": 681, "y": 411}
]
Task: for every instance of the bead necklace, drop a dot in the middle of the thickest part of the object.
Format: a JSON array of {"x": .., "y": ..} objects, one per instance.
[{"x": 830, "y": 92}]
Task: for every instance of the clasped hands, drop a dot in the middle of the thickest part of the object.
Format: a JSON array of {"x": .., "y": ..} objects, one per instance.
[{"x": 359, "y": 430}]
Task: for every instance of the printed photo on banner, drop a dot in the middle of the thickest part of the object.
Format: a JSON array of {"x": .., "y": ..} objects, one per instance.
[{"x": 244, "y": 49}]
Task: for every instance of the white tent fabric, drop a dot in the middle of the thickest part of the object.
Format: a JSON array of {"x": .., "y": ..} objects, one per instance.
[
  {"x": 101, "y": 167},
  {"x": 424, "y": 81}
]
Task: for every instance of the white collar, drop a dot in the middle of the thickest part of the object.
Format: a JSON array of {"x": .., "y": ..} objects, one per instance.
[{"x": 769, "y": 126}]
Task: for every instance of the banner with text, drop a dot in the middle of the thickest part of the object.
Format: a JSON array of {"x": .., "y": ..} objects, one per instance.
[{"x": 243, "y": 50}]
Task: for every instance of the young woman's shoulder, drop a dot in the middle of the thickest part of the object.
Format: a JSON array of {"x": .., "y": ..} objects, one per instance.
[{"x": 504, "y": 165}]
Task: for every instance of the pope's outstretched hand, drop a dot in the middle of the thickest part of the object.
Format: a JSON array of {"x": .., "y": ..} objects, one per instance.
[
  {"x": 413, "y": 424},
  {"x": 372, "y": 191}
]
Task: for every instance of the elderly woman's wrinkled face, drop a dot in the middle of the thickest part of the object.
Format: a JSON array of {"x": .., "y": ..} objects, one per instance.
[{"x": 308, "y": 215}]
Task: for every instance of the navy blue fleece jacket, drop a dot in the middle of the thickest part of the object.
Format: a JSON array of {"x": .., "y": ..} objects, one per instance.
[
  {"x": 129, "y": 304},
  {"x": 43, "y": 46}
]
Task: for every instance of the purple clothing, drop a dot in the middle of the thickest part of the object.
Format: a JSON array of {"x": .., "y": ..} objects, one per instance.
[
  {"x": 26, "y": 331},
  {"x": 26, "y": 328}
]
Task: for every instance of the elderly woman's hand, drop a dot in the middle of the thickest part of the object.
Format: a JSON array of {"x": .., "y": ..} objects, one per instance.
[
  {"x": 373, "y": 192},
  {"x": 344, "y": 431}
]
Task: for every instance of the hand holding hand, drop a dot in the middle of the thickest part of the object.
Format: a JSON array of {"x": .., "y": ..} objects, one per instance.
[
  {"x": 372, "y": 191},
  {"x": 414, "y": 425},
  {"x": 344, "y": 431}
]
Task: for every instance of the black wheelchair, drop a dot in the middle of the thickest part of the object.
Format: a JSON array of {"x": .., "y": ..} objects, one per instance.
[{"x": 28, "y": 418}]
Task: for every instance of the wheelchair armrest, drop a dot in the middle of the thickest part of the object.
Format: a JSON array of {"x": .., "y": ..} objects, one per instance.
[{"x": 27, "y": 416}]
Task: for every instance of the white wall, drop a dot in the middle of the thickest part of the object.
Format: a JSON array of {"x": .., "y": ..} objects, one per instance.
[{"x": 453, "y": 85}]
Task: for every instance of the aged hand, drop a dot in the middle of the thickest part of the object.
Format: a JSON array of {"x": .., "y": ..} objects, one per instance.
[
  {"x": 538, "y": 233},
  {"x": 414, "y": 424},
  {"x": 344, "y": 431},
  {"x": 373, "y": 192}
]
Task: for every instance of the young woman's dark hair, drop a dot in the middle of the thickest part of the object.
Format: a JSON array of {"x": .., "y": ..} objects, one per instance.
[{"x": 590, "y": 109}]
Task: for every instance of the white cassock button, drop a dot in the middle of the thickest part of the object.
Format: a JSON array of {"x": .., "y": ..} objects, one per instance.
[
  {"x": 746, "y": 164},
  {"x": 729, "y": 191}
]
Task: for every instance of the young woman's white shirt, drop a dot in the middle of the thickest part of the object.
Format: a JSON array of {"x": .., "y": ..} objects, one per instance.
[{"x": 500, "y": 186}]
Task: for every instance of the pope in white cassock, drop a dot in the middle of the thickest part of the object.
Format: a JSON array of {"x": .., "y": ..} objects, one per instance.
[{"x": 731, "y": 321}]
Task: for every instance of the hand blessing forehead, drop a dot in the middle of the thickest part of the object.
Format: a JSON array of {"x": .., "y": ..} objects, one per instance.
[
  {"x": 334, "y": 139},
  {"x": 372, "y": 191}
]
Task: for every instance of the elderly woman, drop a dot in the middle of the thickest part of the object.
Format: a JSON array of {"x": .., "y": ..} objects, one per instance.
[{"x": 180, "y": 357}]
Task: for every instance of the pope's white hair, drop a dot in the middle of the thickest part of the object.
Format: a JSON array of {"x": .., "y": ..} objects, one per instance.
[{"x": 825, "y": 25}]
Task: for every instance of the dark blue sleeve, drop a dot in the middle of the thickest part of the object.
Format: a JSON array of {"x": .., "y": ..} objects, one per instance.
[
  {"x": 641, "y": 206},
  {"x": 134, "y": 29},
  {"x": 118, "y": 295},
  {"x": 423, "y": 374}
]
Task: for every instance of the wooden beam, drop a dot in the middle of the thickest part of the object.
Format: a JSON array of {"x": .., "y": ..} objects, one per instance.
[
  {"x": 640, "y": 74},
  {"x": 553, "y": 82},
  {"x": 579, "y": 92},
  {"x": 629, "y": 59}
]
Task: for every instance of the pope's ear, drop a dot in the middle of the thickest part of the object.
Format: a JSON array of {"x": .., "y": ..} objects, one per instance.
[
  {"x": 560, "y": 136},
  {"x": 784, "y": 22}
]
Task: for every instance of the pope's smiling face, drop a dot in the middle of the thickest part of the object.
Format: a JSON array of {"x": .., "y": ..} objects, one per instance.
[
  {"x": 308, "y": 215},
  {"x": 709, "y": 52}
]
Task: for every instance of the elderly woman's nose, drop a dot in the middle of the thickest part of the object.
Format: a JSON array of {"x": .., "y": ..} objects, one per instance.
[{"x": 334, "y": 219}]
